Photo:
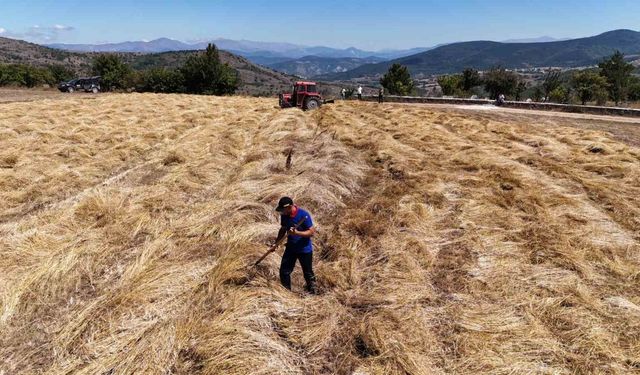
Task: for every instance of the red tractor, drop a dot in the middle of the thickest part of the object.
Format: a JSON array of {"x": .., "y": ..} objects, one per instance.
[{"x": 305, "y": 96}]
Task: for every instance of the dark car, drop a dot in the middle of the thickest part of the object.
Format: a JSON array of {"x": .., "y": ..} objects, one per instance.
[{"x": 89, "y": 84}]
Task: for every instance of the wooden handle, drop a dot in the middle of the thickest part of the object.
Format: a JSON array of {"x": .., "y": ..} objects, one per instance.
[{"x": 279, "y": 242}]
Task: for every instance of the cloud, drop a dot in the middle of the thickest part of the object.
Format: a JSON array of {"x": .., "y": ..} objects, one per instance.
[
  {"x": 63, "y": 27},
  {"x": 38, "y": 33}
]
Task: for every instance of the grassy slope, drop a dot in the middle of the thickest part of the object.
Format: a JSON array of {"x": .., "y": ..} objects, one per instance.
[
  {"x": 14, "y": 51},
  {"x": 448, "y": 243}
]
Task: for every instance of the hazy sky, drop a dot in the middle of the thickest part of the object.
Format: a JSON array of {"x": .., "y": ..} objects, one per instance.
[{"x": 363, "y": 24}]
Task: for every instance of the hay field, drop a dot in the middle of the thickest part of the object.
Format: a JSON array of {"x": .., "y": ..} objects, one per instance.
[{"x": 448, "y": 242}]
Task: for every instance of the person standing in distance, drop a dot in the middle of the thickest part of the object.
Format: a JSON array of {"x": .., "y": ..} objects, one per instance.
[{"x": 298, "y": 247}]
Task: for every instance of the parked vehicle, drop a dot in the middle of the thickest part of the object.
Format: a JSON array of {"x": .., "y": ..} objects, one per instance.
[{"x": 86, "y": 84}]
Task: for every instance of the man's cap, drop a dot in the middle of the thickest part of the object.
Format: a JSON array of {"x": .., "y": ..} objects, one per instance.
[{"x": 284, "y": 202}]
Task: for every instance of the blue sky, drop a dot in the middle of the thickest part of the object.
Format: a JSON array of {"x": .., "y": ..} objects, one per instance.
[{"x": 363, "y": 24}]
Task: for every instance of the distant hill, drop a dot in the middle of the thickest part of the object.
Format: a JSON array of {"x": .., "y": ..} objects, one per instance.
[
  {"x": 311, "y": 66},
  {"x": 483, "y": 55},
  {"x": 255, "y": 79},
  {"x": 258, "y": 52}
]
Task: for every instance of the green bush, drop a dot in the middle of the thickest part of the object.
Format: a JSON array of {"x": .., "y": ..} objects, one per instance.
[
  {"x": 634, "y": 89},
  {"x": 161, "y": 80},
  {"x": 25, "y": 75}
]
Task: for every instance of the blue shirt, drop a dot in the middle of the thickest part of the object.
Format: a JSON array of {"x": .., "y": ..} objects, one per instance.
[{"x": 298, "y": 244}]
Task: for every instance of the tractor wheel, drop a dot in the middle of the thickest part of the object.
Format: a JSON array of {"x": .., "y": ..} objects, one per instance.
[
  {"x": 70, "y": 90},
  {"x": 95, "y": 90},
  {"x": 311, "y": 104}
]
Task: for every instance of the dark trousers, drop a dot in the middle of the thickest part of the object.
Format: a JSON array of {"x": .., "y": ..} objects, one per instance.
[{"x": 288, "y": 264}]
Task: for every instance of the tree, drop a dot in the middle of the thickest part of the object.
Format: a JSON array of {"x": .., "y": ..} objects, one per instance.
[
  {"x": 618, "y": 75},
  {"x": 552, "y": 81},
  {"x": 397, "y": 80},
  {"x": 589, "y": 85},
  {"x": 499, "y": 81},
  {"x": 114, "y": 73},
  {"x": 450, "y": 84},
  {"x": 470, "y": 79},
  {"x": 204, "y": 74}
]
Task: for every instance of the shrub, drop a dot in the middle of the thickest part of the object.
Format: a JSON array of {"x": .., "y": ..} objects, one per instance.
[
  {"x": 25, "y": 75},
  {"x": 161, "y": 80}
]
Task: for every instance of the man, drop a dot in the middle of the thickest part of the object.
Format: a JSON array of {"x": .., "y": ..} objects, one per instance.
[
  {"x": 359, "y": 92},
  {"x": 343, "y": 93},
  {"x": 296, "y": 223},
  {"x": 380, "y": 96}
]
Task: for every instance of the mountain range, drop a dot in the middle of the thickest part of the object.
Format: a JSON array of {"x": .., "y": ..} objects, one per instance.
[
  {"x": 304, "y": 61},
  {"x": 246, "y": 48},
  {"x": 483, "y": 55}
]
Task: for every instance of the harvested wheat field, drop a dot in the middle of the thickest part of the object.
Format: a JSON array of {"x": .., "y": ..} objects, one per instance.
[{"x": 449, "y": 242}]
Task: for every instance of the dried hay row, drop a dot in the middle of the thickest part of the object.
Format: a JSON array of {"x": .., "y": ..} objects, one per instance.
[{"x": 448, "y": 243}]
